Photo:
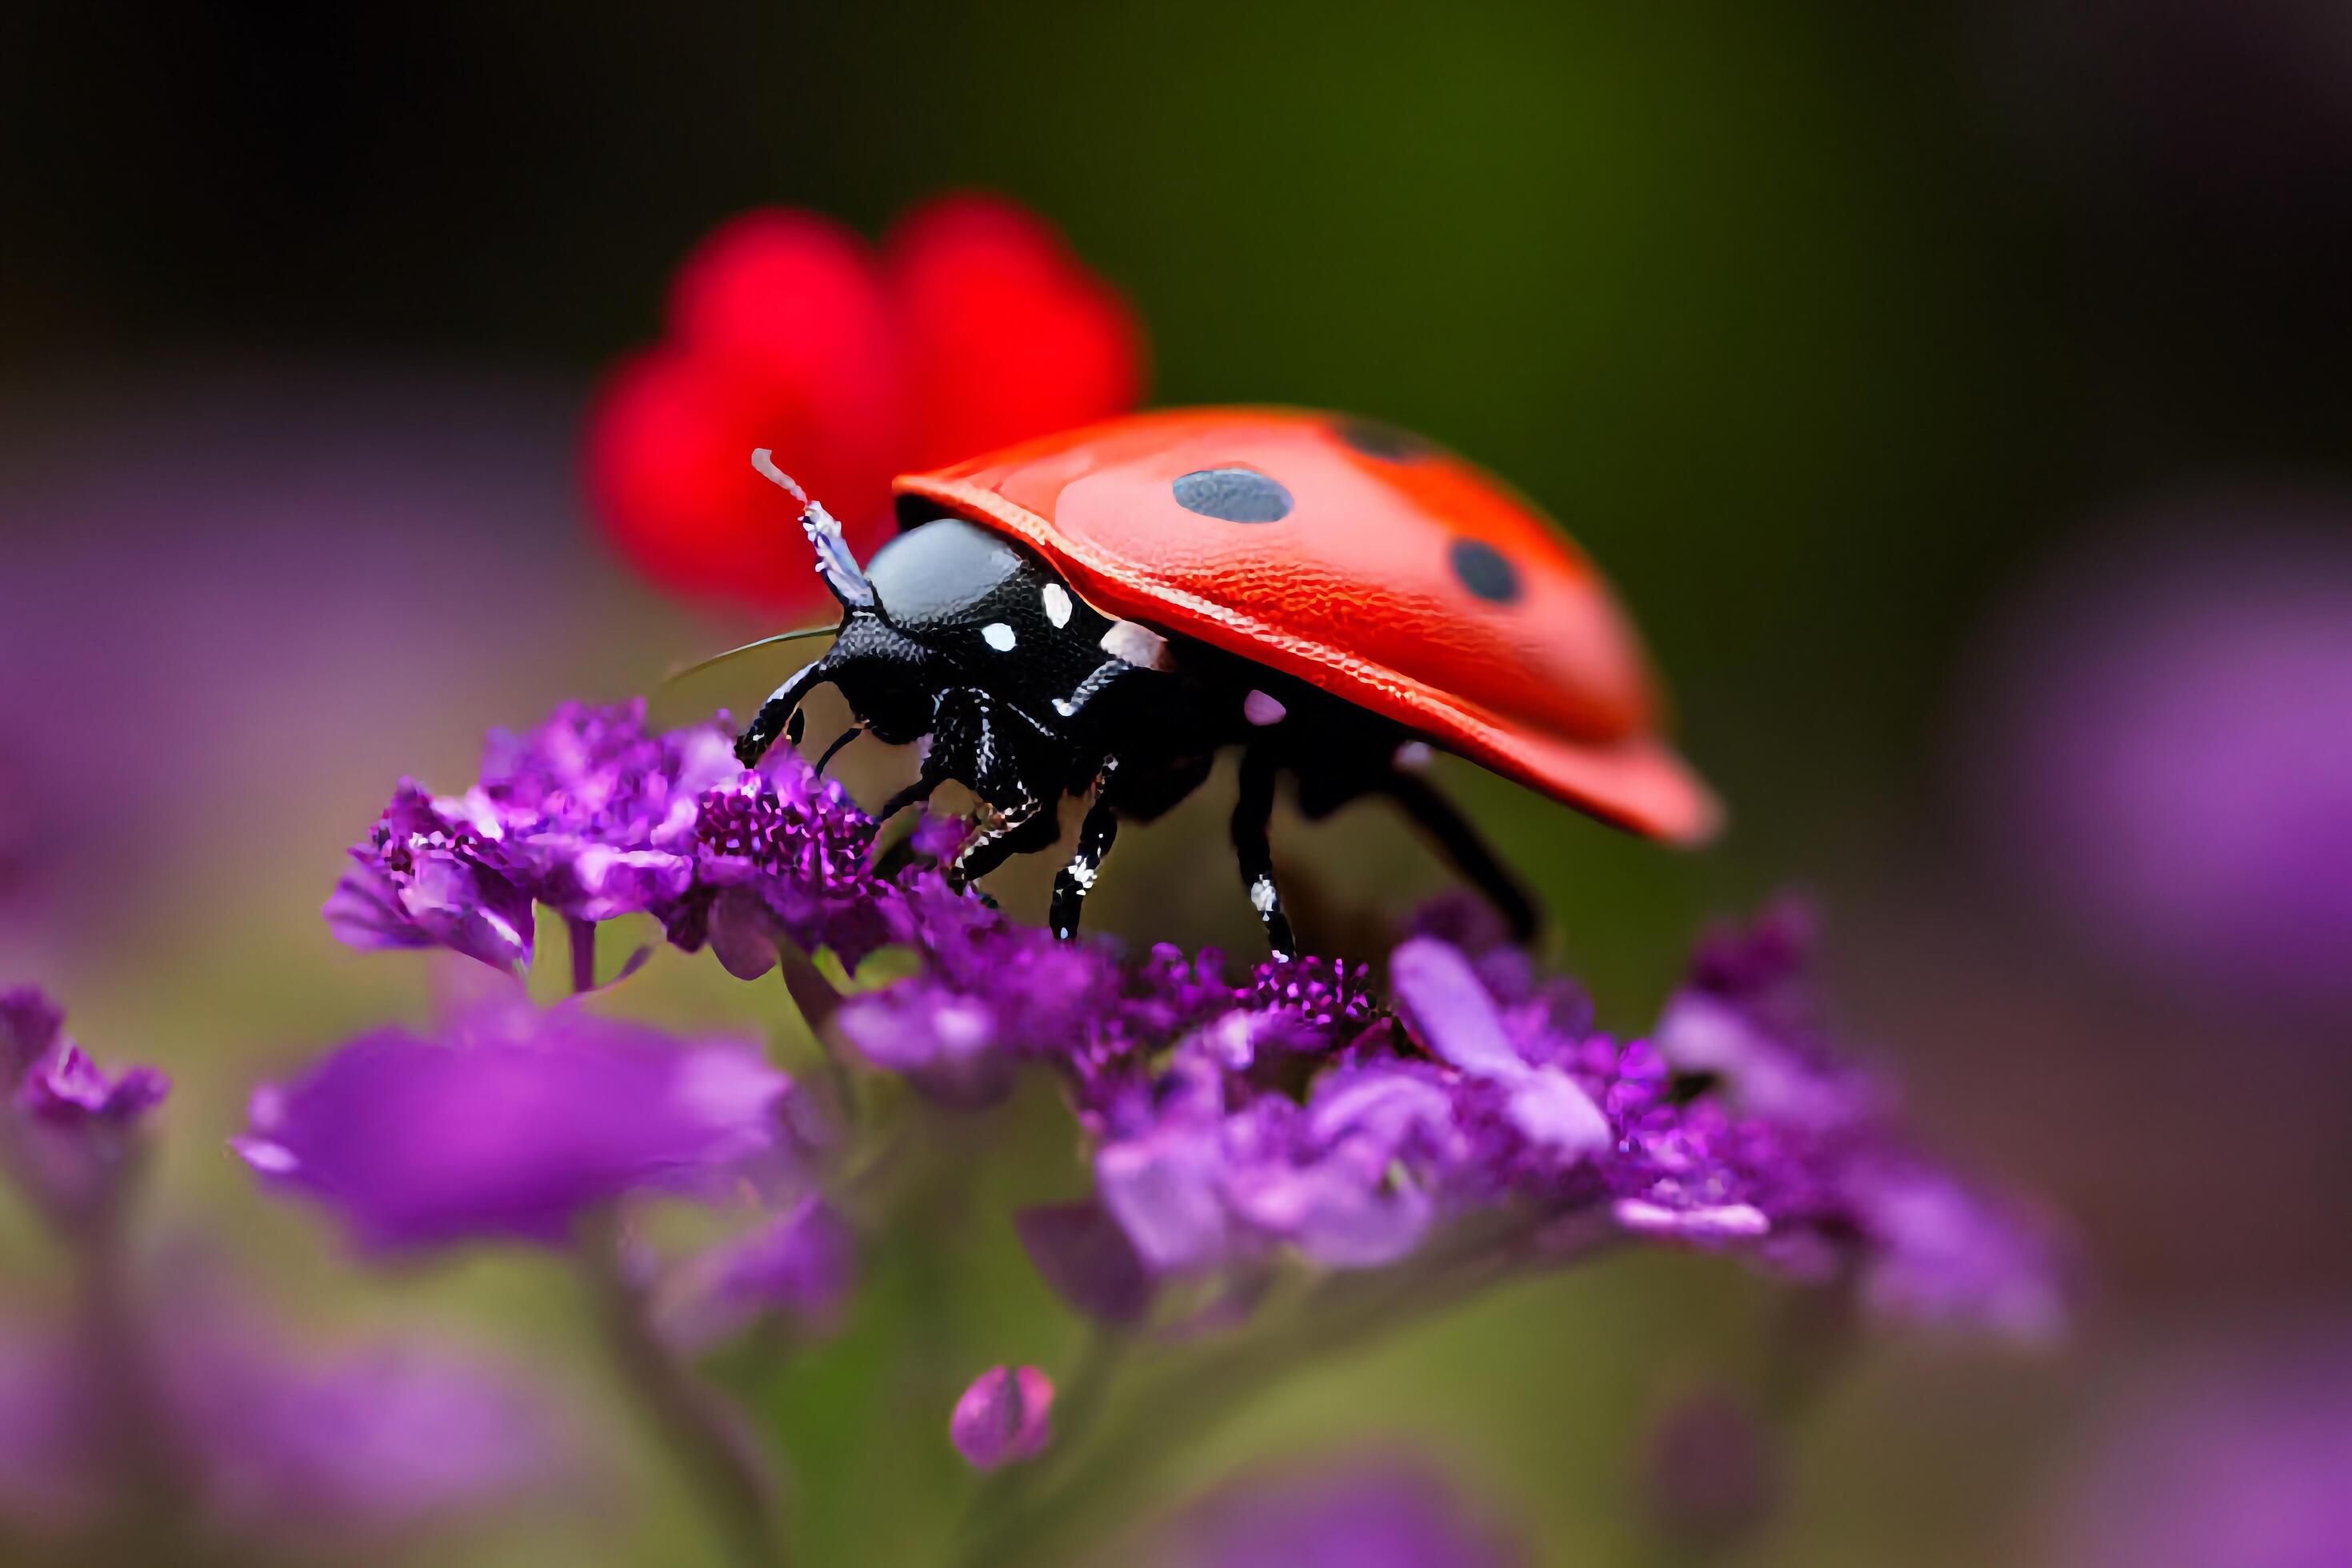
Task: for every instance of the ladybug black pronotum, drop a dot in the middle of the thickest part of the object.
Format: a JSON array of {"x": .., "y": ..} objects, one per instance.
[{"x": 1102, "y": 612}]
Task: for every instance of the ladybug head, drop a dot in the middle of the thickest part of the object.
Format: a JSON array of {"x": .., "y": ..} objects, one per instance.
[{"x": 882, "y": 672}]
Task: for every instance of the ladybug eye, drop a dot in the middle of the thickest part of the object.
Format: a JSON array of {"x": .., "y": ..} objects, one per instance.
[
  {"x": 1485, "y": 570},
  {"x": 1232, "y": 495}
]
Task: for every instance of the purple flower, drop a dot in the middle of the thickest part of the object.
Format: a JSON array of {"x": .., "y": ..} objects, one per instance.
[
  {"x": 992, "y": 995},
  {"x": 1941, "y": 1251},
  {"x": 68, "y": 1130},
  {"x": 2234, "y": 1464},
  {"x": 802, "y": 1263},
  {"x": 594, "y": 817},
  {"x": 2164, "y": 746},
  {"x": 259, "y": 1442},
  {"x": 513, "y": 1124},
  {"x": 780, "y": 855},
  {"x": 1004, "y": 1417},
  {"x": 426, "y": 877},
  {"x": 1295, "y": 1112},
  {"x": 383, "y": 1437},
  {"x": 1380, "y": 1513},
  {"x": 588, "y": 814}
]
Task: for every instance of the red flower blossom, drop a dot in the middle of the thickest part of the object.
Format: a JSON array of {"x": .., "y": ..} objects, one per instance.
[{"x": 973, "y": 328}]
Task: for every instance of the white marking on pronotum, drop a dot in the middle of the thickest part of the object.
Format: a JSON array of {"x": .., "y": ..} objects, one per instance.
[
  {"x": 1262, "y": 895},
  {"x": 1057, "y": 605},
  {"x": 998, "y": 636},
  {"x": 1262, "y": 710},
  {"x": 1138, "y": 646}
]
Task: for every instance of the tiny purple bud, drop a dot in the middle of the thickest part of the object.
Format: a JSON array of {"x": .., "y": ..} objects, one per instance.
[{"x": 1003, "y": 1417}]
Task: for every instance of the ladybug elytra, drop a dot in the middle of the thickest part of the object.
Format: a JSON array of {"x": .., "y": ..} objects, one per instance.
[{"x": 1100, "y": 613}]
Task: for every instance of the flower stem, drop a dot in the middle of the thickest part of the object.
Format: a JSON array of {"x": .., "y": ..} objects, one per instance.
[
  {"x": 155, "y": 1515},
  {"x": 1010, "y": 1491},
  {"x": 706, "y": 1433},
  {"x": 1186, "y": 1400},
  {"x": 583, "y": 952}
]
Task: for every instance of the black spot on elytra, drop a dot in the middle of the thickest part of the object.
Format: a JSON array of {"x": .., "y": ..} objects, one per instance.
[
  {"x": 1484, "y": 571},
  {"x": 1232, "y": 495},
  {"x": 1386, "y": 442}
]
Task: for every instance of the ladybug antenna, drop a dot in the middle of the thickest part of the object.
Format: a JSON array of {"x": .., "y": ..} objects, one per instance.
[
  {"x": 835, "y": 564},
  {"x": 699, "y": 665}
]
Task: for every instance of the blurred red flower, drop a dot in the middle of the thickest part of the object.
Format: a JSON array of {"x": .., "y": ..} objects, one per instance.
[{"x": 975, "y": 326}]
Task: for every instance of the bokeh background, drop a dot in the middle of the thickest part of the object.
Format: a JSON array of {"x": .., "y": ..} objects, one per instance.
[{"x": 1956, "y": 392}]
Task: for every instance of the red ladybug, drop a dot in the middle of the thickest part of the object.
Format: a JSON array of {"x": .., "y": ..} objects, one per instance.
[{"x": 1101, "y": 612}]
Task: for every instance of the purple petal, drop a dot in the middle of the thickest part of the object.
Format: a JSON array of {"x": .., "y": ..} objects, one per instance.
[
  {"x": 1442, "y": 993},
  {"x": 1086, "y": 1258},
  {"x": 1715, "y": 1223},
  {"x": 1383, "y": 1513},
  {"x": 1437, "y": 989},
  {"x": 802, "y": 1263},
  {"x": 513, "y": 1132},
  {"x": 1166, "y": 1190}
]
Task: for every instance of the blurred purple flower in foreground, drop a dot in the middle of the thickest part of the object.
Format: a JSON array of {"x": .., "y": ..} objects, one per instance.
[
  {"x": 252, "y": 1439},
  {"x": 800, "y": 1263},
  {"x": 2243, "y": 1467},
  {"x": 1006, "y": 1416},
  {"x": 128, "y": 1428},
  {"x": 2165, "y": 747},
  {"x": 1388, "y": 1513},
  {"x": 514, "y": 1124}
]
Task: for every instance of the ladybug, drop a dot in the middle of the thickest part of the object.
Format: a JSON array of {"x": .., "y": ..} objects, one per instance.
[{"x": 1100, "y": 613}]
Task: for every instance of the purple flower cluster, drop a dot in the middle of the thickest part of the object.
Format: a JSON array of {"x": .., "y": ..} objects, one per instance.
[
  {"x": 594, "y": 817},
  {"x": 1299, "y": 1111}
]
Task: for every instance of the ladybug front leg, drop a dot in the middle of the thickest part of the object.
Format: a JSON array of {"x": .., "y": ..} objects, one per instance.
[{"x": 1252, "y": 811}]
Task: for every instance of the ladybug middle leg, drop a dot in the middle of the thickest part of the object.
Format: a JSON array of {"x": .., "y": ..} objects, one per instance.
[{"x": 1252, "y": 811}]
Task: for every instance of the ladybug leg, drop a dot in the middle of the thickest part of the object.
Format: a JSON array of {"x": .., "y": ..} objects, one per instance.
[
  {"x": 1023, "y": 829},
  {"x": 1462, "y": 844},
  {"x": 1252, "y": 811},
  {"x": 776, "y": 715},
  {"x": 913, "y": 795},
  {"x": 1096, "y": 835}
]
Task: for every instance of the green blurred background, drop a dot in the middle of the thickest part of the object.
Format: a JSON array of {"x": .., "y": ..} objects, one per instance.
[{"x": 1821, "y": 325}]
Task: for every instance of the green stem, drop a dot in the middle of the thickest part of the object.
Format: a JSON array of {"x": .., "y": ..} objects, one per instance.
[
  {"x": 583, "y": 952},
  {"x": 1005, "y": 1495},
  {"x": 706, "y": 1433},
  {"x": 1189, "y": 1397}
]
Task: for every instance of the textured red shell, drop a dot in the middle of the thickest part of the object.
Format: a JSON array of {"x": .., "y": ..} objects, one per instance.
[{"x": 1374, "y": 566}]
